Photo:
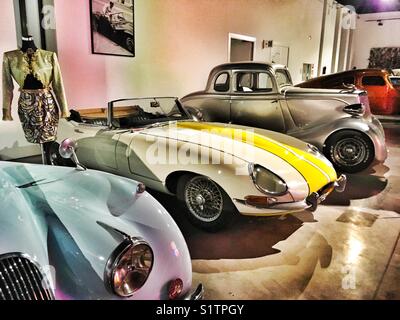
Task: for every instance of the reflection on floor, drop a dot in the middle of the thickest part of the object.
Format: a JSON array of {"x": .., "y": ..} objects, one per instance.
[{"x": 348, "y": 249}]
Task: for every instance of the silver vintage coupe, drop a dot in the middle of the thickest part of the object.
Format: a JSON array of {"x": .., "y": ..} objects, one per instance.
[{"x": 338, "y": 122}]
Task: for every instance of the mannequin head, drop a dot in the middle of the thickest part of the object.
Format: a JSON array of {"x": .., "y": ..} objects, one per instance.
[{"x": 28, "y": 44}]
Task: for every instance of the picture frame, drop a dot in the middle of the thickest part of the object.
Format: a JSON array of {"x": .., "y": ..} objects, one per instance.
[{"x": 112, "y": 27}]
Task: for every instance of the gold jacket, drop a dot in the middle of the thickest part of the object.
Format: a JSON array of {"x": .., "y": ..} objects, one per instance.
[{"x": 45, "y": 68}]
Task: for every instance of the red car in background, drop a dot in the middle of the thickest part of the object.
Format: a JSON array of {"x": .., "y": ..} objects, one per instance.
[{"x": 383, "y": 88}]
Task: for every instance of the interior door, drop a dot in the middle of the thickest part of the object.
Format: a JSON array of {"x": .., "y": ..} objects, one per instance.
[
  {"x": 256, "y": 102},
  {"x": 241, "y": 50}
]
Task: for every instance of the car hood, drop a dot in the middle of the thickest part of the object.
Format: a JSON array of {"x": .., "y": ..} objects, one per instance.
[
  {"x": 74, "y": 220},
  {"x": 252, "y": 145}
]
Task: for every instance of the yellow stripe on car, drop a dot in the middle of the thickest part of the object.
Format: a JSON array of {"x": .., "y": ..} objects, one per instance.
[{"x": 316, "y": 172}]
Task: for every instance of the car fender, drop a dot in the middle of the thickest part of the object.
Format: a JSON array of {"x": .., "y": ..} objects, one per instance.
[
  {"x": 81, "y": 217},
  {"x": 228, "y": 167},
  {"x": 319, "y": 134}
]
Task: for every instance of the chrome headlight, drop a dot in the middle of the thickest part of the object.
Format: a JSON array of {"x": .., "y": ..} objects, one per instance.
[
  {"x": 266, "y": 181},
  {"x": 128, "y": 267}
]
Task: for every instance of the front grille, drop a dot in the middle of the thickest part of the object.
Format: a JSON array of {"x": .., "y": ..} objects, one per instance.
[{"x": 21, "y": 279}]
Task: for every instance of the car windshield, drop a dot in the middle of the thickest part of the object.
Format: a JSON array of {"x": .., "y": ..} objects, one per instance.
[
  {"x": 283, "y": 78},
  {"x": 132, "y": 113},
  {"x": 395, "y": 81}
]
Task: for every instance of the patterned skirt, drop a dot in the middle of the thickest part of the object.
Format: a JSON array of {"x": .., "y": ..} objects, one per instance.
[{"x": 39, "y": 115}]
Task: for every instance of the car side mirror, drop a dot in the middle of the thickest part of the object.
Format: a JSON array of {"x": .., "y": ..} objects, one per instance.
[{"x": 67, "y": 151}]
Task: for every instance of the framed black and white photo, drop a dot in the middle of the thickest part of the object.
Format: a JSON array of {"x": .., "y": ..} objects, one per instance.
[{"x": 112, "y": 27}]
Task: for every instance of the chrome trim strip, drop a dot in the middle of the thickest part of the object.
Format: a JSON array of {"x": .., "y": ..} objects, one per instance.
[
  {"x": 29, "y": 281},
  {"x": 19, "y": 275},
  {"x": 8, "y": 281},
  {"x": 284, "y": 206},
  {"x": 20, "y": 292},
  {"x": 20, "y": 268}
]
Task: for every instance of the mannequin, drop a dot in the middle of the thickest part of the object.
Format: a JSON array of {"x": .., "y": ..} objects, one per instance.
[
  {"x": 42, "y": 96},
  {"x": 31, "y": 83}
]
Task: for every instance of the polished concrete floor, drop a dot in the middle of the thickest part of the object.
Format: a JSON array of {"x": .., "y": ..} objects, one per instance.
[{"x": 348, "y": 249}]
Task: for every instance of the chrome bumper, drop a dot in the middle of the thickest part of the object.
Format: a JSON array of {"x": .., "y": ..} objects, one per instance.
[
  {"x": 311, "y": 203},
  {"x": 340, "y": 184},
  {"x": 315, "y": 198},
  {"x": 198, "y": 294}
]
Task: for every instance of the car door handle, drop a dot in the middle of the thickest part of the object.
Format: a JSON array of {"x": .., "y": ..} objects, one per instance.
[
  {"x": 78, "y": 131},
  {"x": 274, "y": 101}
]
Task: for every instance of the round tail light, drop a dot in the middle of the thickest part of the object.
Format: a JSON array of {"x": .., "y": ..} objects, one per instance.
[{"x": 175, "y": 289}]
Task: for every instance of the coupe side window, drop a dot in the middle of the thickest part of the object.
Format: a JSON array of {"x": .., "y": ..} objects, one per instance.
[
  {"x": 282, "y": 78},
  {"x": 338, "y": 82},
  {"x": 254, "y": 82},
  {"x": 395, "y": 81},
  {"x": 245, "y": 82},
  {"x": 265, "y": 82},
  {"x": 373, "y": 81},
  {"x": 222, "y": 82}
]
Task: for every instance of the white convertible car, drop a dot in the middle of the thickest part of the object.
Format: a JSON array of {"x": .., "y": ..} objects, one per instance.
[
  {"x": 75, "y": 234},
  {"x": 216, "y": 170}
]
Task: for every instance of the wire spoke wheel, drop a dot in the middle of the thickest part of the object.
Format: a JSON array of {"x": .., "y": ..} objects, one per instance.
[
  {"x": 204, "y": 199},
  {"x": 349, "y": 152}
]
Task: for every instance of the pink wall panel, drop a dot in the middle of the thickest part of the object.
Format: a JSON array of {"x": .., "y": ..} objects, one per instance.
[{"x": 84, "y": 73}]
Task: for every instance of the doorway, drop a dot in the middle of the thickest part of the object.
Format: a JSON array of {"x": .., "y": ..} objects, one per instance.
[{"x": 241, "y": 48}]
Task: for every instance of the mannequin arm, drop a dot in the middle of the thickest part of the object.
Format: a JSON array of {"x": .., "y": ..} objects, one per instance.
[
  {"x": 8, "y": 89},
  {"x": 58, "y": 88}
]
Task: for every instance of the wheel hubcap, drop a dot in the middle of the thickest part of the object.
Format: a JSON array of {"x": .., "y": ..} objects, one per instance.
[
  {"x": 200, "y": 200},
  {"x": 349, "y": 152},
  {"x": 204, "y": 199}
]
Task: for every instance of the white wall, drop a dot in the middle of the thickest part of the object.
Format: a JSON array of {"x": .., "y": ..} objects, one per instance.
[
  {"x": 177, "y": 44},
  {"x": 329, "y": 37},
  {"x": 8, "y": 41},
  {"x": 369, "y": 35}
]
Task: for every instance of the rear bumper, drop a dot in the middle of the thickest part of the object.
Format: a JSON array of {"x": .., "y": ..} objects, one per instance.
[{"x": 310, "y": 203}]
